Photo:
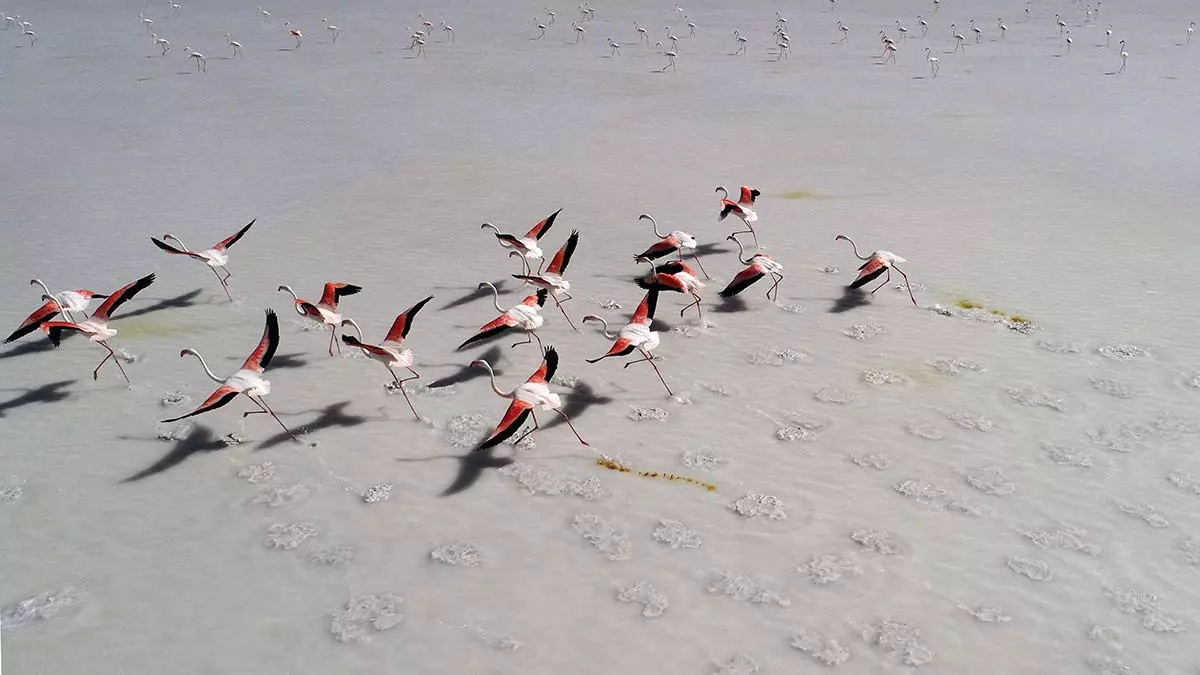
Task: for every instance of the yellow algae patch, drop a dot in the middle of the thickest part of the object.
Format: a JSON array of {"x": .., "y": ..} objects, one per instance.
[
  {"x": 150, "y": 329},
  {"x": 613, "y": 465},
  {"x": 967, "y": 303}
]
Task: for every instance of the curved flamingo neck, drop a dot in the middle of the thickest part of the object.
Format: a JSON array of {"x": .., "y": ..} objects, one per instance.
[
  {"x": 354, "y": 323},
  {"x": 855, "y": 247},
  {"x": 741, "y": 251},
  {"x": 593, "y": 317},
  {"x": 495, "y": 295},
  {"x": 721, "y": 189},
  {"x": 492, "y": 377},
  {"x": 177, "y": 241},
  {"x": 212, "y": 376},
  {"x": 46, "y": 290},
  {"x": 491, "y": 227},
  {"x": 647, "y": 216}
]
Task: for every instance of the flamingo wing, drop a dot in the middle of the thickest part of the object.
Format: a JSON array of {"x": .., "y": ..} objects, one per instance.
[
  {"x": 619, "y": 348},
  {"x": 661, "y": 282},
  {"x": 336, "y": 290},
  {"x": 675, "y": 267},
  {"x": 659, "y": 249},
  {"x": 748, "y": 195},
  {"x": 546, "y": 371},
  {"x": 260, "y": 358},
  {"x": 233, "y": 238},
  {"x": 370, "y": 349},
  {"x": 403, "y": 323},
  {"x": 541, "y": 228},
  {"x": 870, "y": 270},
  {"x": 222, "y": 396},
  {"x": 55, "y": 329},
  {"x": 34, "y": 321},
  {"x": 559, "y": 263},
  {"x": 118, "y": 298},
  {"x": 310, "y": 310},
  {"x": 644, "y": 314},
  {"x": 495, "y": 327},
  {"x": 743, "y": 280},
  {"x": 728, "y": 207},
  {"x": 518, "y": 411},
  {"x": 174, "y": 250}
]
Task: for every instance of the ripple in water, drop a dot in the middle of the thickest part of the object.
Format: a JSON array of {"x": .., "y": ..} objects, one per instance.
[
  {"x": 1147, "y": 513},
  {"x": 1038, "y": 570},
  {"x": 740, "y": 664},
  {"x": 282, "y": 496},
  {"x": 989, "y": 479},
  {"x": 257, "y": 473},
  {"x": 1067, "y": 456},
  {"x": 880, "y": 378},
  {"x": 1123, "y": 352},
  {"x": 1114, "y": 388},
  {"x": 644, "y": 593},
  {"x": 364, "y": 614},
  {"x": 337, "y": 556},
  {"x": 1032, "y": 397},
  {"x": 864, "y": 331},
  {"x": 535, "y": 480},
  {"x": 1065, "y": 538},
  {"x": 288, "y": 536},
  {"x": 967, "y": 420},
  {"x": 703, "y": 460},
  {"x": 42, "y": 607},
  {"x": 833, "y": 395},
  {"x": 877, "y": 540},
  {"x": 676, "y": 535},
  {"x": 377, "y": 493},
  {"x": 608, "y": 538},
  {"x": 925, "y": 430},
  {"x": 1144, "y": 606},
  {"x": 743, "y": 588},
  {"x": 756, "y": 505},
  {"x": 872, "y": 460},
  {"x": 826, "y": 651},
  {"x": 457, "y": 554},
  {"x": 955, "y": 366},
  {"x": 985, "y": 613},
  {"x": 826, "y": 568},
  {"x": 924, "y": 492},
  {"x": 900, "y": 640}
]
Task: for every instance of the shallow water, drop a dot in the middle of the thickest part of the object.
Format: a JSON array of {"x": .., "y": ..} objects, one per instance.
[{"x": 1012, "y": 497}]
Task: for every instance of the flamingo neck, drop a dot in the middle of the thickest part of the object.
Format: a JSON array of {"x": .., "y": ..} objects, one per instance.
[
  {"x": 855, "y": 247},
  {"x": 593, "y": 317},
  {"x": 721, "y": 189},
  {"x": 354, "y": 323},
  {"x": 646, "y": 216},
  {"x": 492, "y": 377},
  {"x": 491, "y": 227},
  {"x": 742, "y": 252},
  {"x": 46, "y": 290},
  {"x": 495, "y": 295},
  {"x": 212, "y": 376},
  {"x": 177, "y": 241},
  {"x": 295, "y": 298}
]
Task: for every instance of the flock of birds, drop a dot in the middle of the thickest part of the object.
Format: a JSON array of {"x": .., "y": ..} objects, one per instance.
[
  {"x": 668, "y": 273},
  {"x": 668, "y": 47}
]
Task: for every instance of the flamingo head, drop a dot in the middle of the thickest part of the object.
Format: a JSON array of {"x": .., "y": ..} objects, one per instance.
[
  {"x": 480, "y": 363},
  {"x": 187, "y": 352},
  {"x": 842, "y": 236}
]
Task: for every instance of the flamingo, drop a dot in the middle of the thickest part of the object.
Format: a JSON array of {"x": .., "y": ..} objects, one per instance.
[
  {"x": 294, "y": 32},
  {"x": 977, "y": 30},
  {"x": 527, "y": 245},
  {"x": 526, "y": 316},
  {"x": 691, "y": 29},
  {"x": 923, "y": 24},
  {"x": 526, "y": 397},
  {"x": 642, "y": 34},
  {"x": 333, "y": 30},
  {"x": 419, "y": 43},
  {"x": 1068, "y": 41},
  {"x": 237, "y": 46},
  {"x": 671, "y": 38},
  {"x": 65, "y": 302},
  {"x": 427, "y": 24},
  {"x": 1191, "y": 29},
  {"x": 670, "y": 60},
  {"x": 1108, "y": 35},
  {"x": 541, "y": 28},
  {"x": 147, "y": 23},
  {"x": 1061, "y": 24},
  {"x": 9, "y": 21},
  {"x": 1124, "y": 57},
  {"x": 449, "y": 30},
  {"x": 615, "y": 47},
  {"x": 552, "y": 16},
  {"x": 175, "y": 9},
  {"x": 325, "y": 312},
  {"x": 580, "y": 33},
  {"x": 200, "y": 60},
  {"x": 758, "y": 265},
  {"x": 389, "y": 352},
  {"x": 937, "y": 4},
  {"x": 215, "y": 257},
  {"x": 667, "y": 244},
  {"x": 903, "y": 31},
  {"x": 164, "y": 43},
  {"x": 845, "y": 31},
  {"x": 958, "y": 39},
  {"x": 552, "y": 279},
  {"x": 674, "y": 276},
  {"x": 33, "y": 37},
  {"x": 96, "y": 326},
  {"x": 1003, "y": 28},
  {"x": 636, "y": 335},
  {"x": 742, "y": 208},
  {"x": 265, "y": 14},
  {"x": 934, "y": 64},
  {"x": 783, "y": 49},
  {"x": 877, "y": 263},
  {"x": 742, "y": 41},
  {"x": 247, "y": 380},
  {"x": 889, "y": 48}
]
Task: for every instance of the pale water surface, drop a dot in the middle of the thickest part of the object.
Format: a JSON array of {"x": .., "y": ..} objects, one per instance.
[{"x": 949, "y": 495}]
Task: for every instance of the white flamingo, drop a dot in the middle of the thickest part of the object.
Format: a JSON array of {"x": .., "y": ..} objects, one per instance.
[
  {"x": 934, "y": 64},
  {"x": 266, "y": 16},
  {"x": 234, "y": 44},
  {"x": 1124, "y": 57},
  {"x": 845, "y": 31},
  {"x": 333, "y": 30},
  {"x": 742, "y": 41}
]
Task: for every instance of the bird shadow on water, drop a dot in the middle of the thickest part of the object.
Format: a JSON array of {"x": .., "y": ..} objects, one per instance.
[
  {"x": 852, "y": 298},
  {"x": 47, "y": 393},
  {"x": 333, "y": 415},
  {"x": 33, "y": 347},
  {"x": 281, "y": 361},
  {"x": 466, "y": 373},
  {"x": 201, "y": 439},
  {"x": 731, "y": 305},
  {"x": 186, "y": 300},
  {"x": 470, "y": 467},
  {"x": 475, "y": 294},
  {"x": 581, "y": 398}
]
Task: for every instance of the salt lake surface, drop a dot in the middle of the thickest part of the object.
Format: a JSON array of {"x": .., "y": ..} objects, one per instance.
[{"x": 938, "y": 489}]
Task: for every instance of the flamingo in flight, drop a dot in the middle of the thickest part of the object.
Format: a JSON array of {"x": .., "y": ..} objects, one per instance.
[
  {"x": 248, "y": 380},
  {"x": 636, "y": 335},
  {"x": 528, "y": 244},
  {"x": 526, "y": 397},
  {"x": 552, "y": 279},
  {"x": 65, "y": 302},
  {"x": 674, "y": 276},
  {"x": 743, "y": 208},
  {"x": 215, "y": 257},
  {"x": 96, "y": 326},
  {"x": 526, "y": 315},
  {"x": 325, "y": 312},
  {"x": 758, "y": 266},
  {"x": 389, "y": 352},
  {"x": 876, "y": 264},
  {"x": 667, "y": 244}
]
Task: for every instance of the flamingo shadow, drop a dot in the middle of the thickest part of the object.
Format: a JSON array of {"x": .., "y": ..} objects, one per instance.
[
  {"x": 186, "y": 300},
  {"x": 332, "y": 415},
  {"x": 470, "y": 467},
  {"x": 281, "y": 361},
  {"x": 33, "y": 347},
  {"x": 713, "y": 247},
  {"x": 47, "y": 393},
  {"x": 852, "y": 298},
  {"x": 732, "y": 305},
  {"x": 581, "y": 398},
  {"x": 201, "y": 439},
  {"x": 466, "y": 373},
  {"x": 475, "y": 294}
]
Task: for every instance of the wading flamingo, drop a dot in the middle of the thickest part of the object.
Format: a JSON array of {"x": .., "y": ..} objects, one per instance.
[
  {"x": 758, "y": 265},
  {"x": 636, "y": 335},
  {"x": 334, "y": 31},
  {"x": 525, "y": 316},
  {"x": 541, "y": 29},
  {"x": 65, "y": 302},
  {"x": 923, "y": 24},
  {"x": 876, "y": 264},
  {"x": 201, "y": 62},
  {"x": 234, "y": 44},
  {"x": 528, "y": 244},
  {"x": 532, "y": 394},
  {"x": 670, "y": 60},
  {"x": 96, "y": 326},
  {"x": 325, "y": 312},
  {"x": 742, "y": 41},
  {"x": 552, "y": 279},
  {"x": 390, "y": 352},
  {"x": 248, "y": 380},
  {"x": 667, "y": 244},
  {"x": 215, "y": 257},
  {"x": 677, "y": 277},
  {"x": 294, "y": 32},
  {"x": 1124, "y": 57},
  {"x": 934, "y": 64},
  {"x": 743, "y": 208}
]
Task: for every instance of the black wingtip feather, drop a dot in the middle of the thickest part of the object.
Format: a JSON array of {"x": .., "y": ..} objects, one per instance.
[
  {"x": 272, "y": 339},
  {"x": 506, "y": 433},
  {"x": 541, "y": 297},
  {"x": 859, "y": 283},
  {"x": 551, "y": 362}
]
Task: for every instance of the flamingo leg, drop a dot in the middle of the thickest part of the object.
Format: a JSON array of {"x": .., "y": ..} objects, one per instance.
[
  {"x": 695, "y": 303},
  {"x": 564, "y": 313},
  {"x": 541, "y": 348},
  {"x": 698, "y": 263},
  {"x": 536, "y": 427},
  {"x": 400, "y": 386},
  {"x": 778, "y": 278},
  {"x": 333, "y": 340},
  {"x": 267, "y": 409},
  {"x": 111, "y": 355},
  {"x": 224, "y": 287},
  {"x": 885, "y": 281},
  {"x": 908, "y": 286},
  {"x": 572, "y": 426},
  {"x": 528, "y": 339},
  {"x": 649, "y": 358}
]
